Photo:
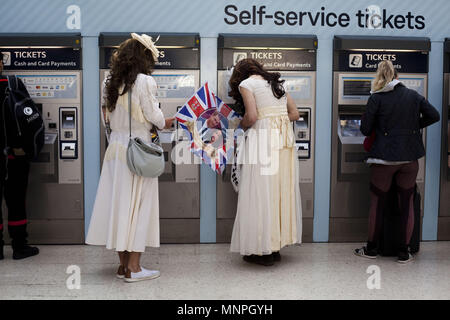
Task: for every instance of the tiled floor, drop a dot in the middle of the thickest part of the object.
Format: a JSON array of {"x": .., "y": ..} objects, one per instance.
[{"x": 209, "y": 271}]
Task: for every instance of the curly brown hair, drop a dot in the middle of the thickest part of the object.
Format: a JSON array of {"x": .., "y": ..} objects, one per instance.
[
  {"x": 246, "y": 68},
  {"x": 130, "y": 59}
]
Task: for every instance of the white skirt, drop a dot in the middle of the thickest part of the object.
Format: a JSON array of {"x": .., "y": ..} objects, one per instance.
[
  {"x": 126, "y": 209},
  {"x": 269, "y": 214}
]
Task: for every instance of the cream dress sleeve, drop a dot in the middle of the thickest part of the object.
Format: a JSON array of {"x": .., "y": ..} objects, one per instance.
[
  {"x": 149, "y": 103},
  {"x": 247, "y": 84}
]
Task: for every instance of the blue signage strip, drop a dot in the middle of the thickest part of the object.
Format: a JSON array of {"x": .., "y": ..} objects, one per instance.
[
  {"x": 367, "y": 61},
  {"x": 41, "y": 58}
]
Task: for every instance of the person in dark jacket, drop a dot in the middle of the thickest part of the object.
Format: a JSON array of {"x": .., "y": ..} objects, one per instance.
[
  {"x": 396, "y": 114},
  {"x": 14, "y": 168}
]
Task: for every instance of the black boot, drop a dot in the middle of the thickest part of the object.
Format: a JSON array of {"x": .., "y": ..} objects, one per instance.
[
  {"x": 24, "y": 252},
  {"x": 276, "y": 256},
  {"x": 265, "y": 260},
  {"x": 1, "y": 253},
  {"x": 21, "y": 249}
]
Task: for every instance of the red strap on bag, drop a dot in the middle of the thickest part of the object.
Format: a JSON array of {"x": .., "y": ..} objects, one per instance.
[{"x": 368, "y": 141}]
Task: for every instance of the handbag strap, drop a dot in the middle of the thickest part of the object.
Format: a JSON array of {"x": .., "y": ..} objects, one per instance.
[
  {"x": 129, "y": 108},
  {"x": 157, "y": 141}
]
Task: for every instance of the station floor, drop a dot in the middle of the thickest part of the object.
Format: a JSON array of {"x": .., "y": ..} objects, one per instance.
[{"x": 210, "y": 271}]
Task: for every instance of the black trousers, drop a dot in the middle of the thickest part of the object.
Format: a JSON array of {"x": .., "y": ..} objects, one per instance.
[{"x": 13, "y": 186}]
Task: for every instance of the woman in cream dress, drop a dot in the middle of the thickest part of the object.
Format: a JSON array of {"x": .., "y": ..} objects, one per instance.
[
  {"x": 269, "y": 205},
  {"x": 126, "y": 210}
]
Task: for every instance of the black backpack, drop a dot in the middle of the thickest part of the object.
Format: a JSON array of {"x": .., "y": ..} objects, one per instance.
[{"x": 28, "y": 123}]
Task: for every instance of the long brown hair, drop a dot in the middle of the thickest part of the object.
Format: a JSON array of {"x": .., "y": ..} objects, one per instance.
[
  {"x": 130, "y": 59},
  {"x": 248, "y": 67}
]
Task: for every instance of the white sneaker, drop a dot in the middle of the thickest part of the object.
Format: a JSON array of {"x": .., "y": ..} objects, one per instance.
[{"x": 144, "y": 274}]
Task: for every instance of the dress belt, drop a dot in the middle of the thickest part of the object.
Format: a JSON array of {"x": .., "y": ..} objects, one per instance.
[
  {"x": 269, "y": 112},
  {"x": 279, "y": 121}
]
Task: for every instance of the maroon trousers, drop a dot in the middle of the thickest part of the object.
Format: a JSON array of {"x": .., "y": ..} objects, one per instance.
[{"x": 381, "y": 179}]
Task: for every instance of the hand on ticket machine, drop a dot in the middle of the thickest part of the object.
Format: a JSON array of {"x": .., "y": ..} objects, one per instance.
[{"x": 169, "y": 123}]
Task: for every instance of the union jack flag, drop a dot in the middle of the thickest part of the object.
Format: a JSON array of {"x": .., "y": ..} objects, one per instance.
[{"x": 202, "y": 101}]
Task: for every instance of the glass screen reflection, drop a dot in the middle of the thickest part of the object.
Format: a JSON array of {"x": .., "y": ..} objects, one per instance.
[{"x": 350, "y": 126}]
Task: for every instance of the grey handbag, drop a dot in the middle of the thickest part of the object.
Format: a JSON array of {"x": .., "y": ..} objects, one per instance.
[{"x": 144, "y": 159}]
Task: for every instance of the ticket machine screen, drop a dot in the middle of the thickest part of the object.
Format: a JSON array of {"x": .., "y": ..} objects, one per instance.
[
  {"x": 299, "y": 87},
  {"x": 353, "y": 87},
  {"x": 174, "y": 86}
]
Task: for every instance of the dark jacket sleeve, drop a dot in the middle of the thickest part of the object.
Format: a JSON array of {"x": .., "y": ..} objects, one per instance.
[
  {"x": 368, "y": 118},
  {"x": 429, "y": 114}
]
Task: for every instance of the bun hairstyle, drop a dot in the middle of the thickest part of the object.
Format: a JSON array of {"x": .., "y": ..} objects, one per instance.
[
  {"x": 246, "y": 68},
  {"x": 130, "y": 59},
  {"x": 385, "y": 74}
]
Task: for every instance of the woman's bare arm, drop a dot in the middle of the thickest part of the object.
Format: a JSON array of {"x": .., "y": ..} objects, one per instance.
[
  {"x": 292, "y": 108},
  {"x": 251, "y": 115}
]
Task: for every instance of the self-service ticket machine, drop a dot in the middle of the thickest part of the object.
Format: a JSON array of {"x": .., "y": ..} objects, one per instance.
[
  {"x": 177, "y": 74},
  {"x": 50, "y": 67},
  {"x": 444, "y": 202},
  {"x": 355, "y": 63},
  {"x": 294, "y": 56}
]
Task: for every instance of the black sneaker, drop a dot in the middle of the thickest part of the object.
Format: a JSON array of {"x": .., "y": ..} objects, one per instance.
[
  {"x": 25, "y": 252},
  {"x": 405, "y": 257},
  {"x": 364, "y": 252},
  {"x": 276, "y": 256},
  {"x": 265, "y": 260}
]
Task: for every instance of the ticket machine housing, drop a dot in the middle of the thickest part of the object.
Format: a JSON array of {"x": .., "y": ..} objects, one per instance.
[
  {"x": 352, "y": 78},
  {"x": 49, "y": 65}
]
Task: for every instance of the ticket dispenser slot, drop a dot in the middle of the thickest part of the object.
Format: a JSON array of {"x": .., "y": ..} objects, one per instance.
[
  {"x": 46, "y": 163},
  {"x": 166, "y": 138},
  {"x": 352, "y": 156}
]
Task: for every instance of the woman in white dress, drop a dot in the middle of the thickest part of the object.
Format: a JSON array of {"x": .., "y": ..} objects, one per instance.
[
  {"x": 269, "y": 206},
  {"x": 126, "y": 210}
]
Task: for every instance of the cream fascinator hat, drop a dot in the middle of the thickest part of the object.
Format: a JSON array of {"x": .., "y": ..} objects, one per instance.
[{"x": 148, "y": 43}]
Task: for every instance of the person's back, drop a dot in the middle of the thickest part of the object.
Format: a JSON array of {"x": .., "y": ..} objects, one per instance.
[
  {"x": 126, "y": 209},
  {"x": 14, "y": 168},
  {"x": 262, "y": 92},
  {"x": 142, "y": 115},
  {"x": 268, "y": 215},
  {"x": 397, "y": 116}
]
